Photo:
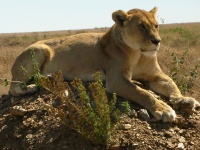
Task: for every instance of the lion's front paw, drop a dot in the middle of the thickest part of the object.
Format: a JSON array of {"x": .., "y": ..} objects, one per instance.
[
  {"x": 187, "y": 104},
  {"x": 164, "y": 112}
]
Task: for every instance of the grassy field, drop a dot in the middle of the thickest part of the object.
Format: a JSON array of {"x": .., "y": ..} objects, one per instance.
[{"x": 179, "y": 55}]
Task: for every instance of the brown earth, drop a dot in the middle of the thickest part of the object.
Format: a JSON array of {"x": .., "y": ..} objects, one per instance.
[{"x": 37, "y": 129}]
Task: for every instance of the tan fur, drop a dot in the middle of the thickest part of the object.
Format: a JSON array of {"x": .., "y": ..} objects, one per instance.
[{"x": 126, "y": 52}]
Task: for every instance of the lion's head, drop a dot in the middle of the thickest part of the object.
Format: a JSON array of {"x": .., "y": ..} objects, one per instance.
[{"x": 139, "y": 29}]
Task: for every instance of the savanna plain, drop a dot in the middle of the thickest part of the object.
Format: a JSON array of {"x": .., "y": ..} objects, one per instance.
[{"x": 179, "y": 57}]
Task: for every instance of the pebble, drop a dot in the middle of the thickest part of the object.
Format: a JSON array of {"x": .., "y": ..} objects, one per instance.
[
  {"x": 176, "y": 129},
  {"x": 149, "y": 127},
  {"x": 4, "y": 127},
  {"x": 125, "y": 127},
  {"x": 46, "y": 106},
  {"x": 170, "y": 145},
  {"x": 191, "y": 143},
  {"x": 56, "y": 103},
  {"x": 133, "y": 113},
  {"x": 40, "y": 99},
  {"x": 18, "y": 111},
  {"x": 180, "y": 146},
  {"x": 171, "y": 130},
  {"x": 144, "y": 114},
  {"x": 40, "y": 123},
  {"x": 29, "y": 136},
  {"x": 181, "y": 139},
  {"x": 150, "y": 148},
  {"x": 66, "y": 93},
  {"x": 168, "y": 134},
  {"x": 182, "y": 131},
  {"x": 137, "y": 134},
  {"x": 123, "y": 116},
  {"x": 188, "y": 110}
]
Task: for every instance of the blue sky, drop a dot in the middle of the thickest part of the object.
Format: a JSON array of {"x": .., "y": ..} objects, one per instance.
[{"x": 50, "y": 15}]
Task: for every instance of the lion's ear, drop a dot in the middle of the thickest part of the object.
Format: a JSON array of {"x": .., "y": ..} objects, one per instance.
[
  {"x": 120, "y": 17},
  {"x": 154, "y": 10}
]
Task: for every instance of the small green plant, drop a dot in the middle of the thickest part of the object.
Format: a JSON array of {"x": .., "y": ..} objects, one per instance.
[
  {"x": 183, "y": 77},
  {"x": 37, "y": 73},
  {"x": 6, "y": 82},
  {"x": 126, "y": 107},
  {"x": 86, "y": 110},
  {"x": 33, "y": 78}
]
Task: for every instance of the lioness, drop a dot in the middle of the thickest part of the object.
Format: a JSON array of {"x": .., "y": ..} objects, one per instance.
[{"x": 126, "y": 52}]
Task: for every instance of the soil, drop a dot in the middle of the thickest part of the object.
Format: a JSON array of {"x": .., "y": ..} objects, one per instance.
[{"x": 37, "y": 129}]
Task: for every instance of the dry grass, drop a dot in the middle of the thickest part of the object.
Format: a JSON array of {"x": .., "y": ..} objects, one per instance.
[
  {"x": 175, "y": 38},
  {"x": 179, "y": 38}
]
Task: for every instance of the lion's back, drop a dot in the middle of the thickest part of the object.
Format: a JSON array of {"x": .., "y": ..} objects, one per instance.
[{"x": 87, "y": 39}]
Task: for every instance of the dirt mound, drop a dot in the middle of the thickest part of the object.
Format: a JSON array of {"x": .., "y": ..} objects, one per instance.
[{"x": 37, "y": 129}]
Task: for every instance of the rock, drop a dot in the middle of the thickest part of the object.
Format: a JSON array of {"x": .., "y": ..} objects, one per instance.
[
  {"x": 179, "y": 120},
  {"x": 148, "y": 127},
  {"x": 137, "y": 134},
  {"x": 171, "y": 130},
  {"x": 56, "y": 103},
  {"x": 125, "y": 126},
  {"x": 170, "y": 145},
  {"x": 187, "y": 110},
  {"x": 191, "y": 143},
  {"x": 66, "y": 93},
  {"x": 40, "y": 123},
  {"x": 4, "y": 127},
  {"x": 182, "y": 131},
  {"x": 29, "y": 136},
  {"x": 18, "y": 111},
  {"x": 180, "y": 146},
  {"x": 46, "y": 106},
  {"x": 168, "y": 134},
  {"x": 176, "y": 129},
  {"x": 144, "y": 114},
  {"x": 133, "y": 113},
  {"x": 181, "y": 139},
  {"x": 123, "y": 115}
]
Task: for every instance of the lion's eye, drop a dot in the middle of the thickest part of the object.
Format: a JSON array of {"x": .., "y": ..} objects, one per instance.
[{"x": 141, "y": 26}]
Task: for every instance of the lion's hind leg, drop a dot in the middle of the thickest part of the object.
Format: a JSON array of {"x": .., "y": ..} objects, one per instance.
[{"x": 26, "y": 65}]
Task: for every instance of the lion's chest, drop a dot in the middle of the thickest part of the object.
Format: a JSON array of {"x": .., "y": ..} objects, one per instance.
[{"x": 142, "y": 66}]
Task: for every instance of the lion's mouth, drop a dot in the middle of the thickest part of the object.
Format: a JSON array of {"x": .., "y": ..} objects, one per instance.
[{"x": 143, "y": 50}]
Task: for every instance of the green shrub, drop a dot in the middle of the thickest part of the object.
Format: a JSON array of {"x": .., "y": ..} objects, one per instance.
[{"x": 88, "y": 111}]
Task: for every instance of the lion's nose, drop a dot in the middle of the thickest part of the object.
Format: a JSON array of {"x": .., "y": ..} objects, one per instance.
[{"x": 156, "y": 41}]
